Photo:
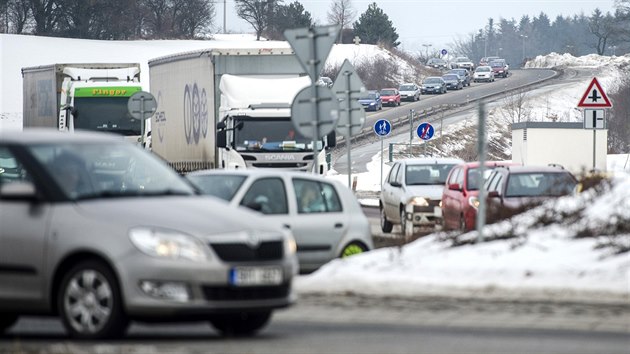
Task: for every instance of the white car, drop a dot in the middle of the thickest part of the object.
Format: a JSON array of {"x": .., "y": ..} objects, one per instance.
[
  {"x": 409, "y": 92},
  {"x": 327, "y": 223},
  {"x": 463, "y": 62},
  {"x": 483, "y": 73},
  {"x": 416, "y": 183}
]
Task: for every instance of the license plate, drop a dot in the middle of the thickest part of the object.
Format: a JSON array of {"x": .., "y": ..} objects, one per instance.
[{"x": 253, "y": 276}]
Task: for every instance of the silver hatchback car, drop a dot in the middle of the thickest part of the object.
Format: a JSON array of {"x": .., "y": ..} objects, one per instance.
[
  {"x": 101, "y": 232},
  {"x": 324, "y": 216}
]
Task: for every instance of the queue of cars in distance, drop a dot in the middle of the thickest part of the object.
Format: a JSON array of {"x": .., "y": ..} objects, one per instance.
[
  {"x": 100, "y": 232},
  {"x": 323, "y": 215}
]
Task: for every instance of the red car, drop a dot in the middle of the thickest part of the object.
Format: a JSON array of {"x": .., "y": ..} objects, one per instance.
[
  {"x": 390, "y": 97},
  {"x": 500, "y": 68},
  {"x": 459, "y": 198}
]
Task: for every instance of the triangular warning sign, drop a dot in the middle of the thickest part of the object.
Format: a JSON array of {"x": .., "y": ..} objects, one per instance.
[{"x": 594, "y": 96}]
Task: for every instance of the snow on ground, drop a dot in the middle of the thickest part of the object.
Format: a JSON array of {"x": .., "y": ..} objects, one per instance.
[{"x": 545, "y": 262}]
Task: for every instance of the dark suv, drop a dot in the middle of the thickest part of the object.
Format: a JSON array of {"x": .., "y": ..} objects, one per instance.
[{"x": 514, "y": 189}]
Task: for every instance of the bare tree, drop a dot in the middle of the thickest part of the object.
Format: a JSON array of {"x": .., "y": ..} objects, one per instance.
[
  {"x": 258, "y": 13},
  {"x": 516, "y": 107},
  {"x": 604, "y": 27},
  {"x": 16, "y": 16},
  {"x": 46, "y": 15},
  {"x": 194, "y": 17},
  {"x": 341, "y": 13}
]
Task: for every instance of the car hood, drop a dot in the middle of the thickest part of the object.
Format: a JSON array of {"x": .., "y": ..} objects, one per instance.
[
  {"x": 367, "y": 101},
  {"x": 388, "y": 97},
  {"x": 432, "y": 85},
  {"x": 411, "y": 92},
  {"x": 195, "y": 215},
  {"x": 433, "y": 191}
]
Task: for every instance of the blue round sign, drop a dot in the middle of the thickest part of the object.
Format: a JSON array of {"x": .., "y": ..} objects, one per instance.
[
  {"x": 382, "y": 127},
  {"x": 425, "y": 131},
  {"x": 444, "y": 52}
]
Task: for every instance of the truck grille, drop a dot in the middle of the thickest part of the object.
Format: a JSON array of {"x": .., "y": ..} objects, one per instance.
[
  {"x": 241, "y": 252},
  {"x": 280, "y": 164},
  {"x": 230, "y": 293}
]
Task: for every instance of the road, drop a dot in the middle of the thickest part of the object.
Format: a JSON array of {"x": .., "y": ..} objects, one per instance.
[{"x": 350, "y": 324}]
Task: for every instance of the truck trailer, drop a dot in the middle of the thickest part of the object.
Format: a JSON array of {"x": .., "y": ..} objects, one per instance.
[
  {"x": 231, "y": 108},
  {"x": 88, "y": 96}
]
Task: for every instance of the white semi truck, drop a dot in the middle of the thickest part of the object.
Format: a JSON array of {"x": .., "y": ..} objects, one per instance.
[
  {"x": 231, "y": 108},
  {"x": 89, "y": 96}
]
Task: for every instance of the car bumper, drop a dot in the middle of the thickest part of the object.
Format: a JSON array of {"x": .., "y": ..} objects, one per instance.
[
  {"x": 369, "y": 108},
  {"x": 431, "y": 90},
  {"x": 425, "y": 216},
  {"x": 207, "y": 284}
]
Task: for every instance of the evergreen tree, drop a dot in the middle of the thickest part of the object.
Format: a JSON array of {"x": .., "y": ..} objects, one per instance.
[
  {"x": 374, "y": 27},
  {"x": 286, "y": 17}
]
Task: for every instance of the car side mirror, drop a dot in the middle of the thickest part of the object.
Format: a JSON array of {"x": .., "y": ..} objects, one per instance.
[
  {"x": 494, "y": 194},
  {"x": 222, "y": 138},
  {"x": 254, "y": 206},
  {"x": 394, "y": 184},
  {"x": 454, "y": 187},
  {"x": 23, "y": 190}
]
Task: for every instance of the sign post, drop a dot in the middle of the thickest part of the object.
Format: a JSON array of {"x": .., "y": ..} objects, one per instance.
[
  {"x": 142, "y": 105},
  {"x": 382, "y": 128},
  {"x": 348, "y": 87},
  {"x": 594, "y": 101},
  {"x": 312, "y": 46}
]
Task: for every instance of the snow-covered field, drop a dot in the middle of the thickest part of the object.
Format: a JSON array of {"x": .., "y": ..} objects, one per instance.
[{"x": 542, "y": 262}]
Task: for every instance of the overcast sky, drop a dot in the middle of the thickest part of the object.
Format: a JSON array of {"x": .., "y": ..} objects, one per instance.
[{"x": 435, "y": 22}]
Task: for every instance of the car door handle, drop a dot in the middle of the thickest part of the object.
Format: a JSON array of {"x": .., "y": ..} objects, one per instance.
[{"x": 338, "y": 225}]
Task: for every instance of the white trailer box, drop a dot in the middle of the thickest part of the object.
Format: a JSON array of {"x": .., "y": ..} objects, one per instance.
[{"x": 566, "y": 144}]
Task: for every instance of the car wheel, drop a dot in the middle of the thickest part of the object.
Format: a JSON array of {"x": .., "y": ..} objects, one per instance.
[
  {"x": 240, "y": 324},
  {"x": 462, "y": 224},
  {"x": 352, "y": 248},
  {"x": 386, "y": 225},
  {"x": 89, "y": 302},
  {"x": 7, "y": 321}
]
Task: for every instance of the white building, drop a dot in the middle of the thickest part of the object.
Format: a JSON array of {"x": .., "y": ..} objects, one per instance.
[{"x": 566, "y": 144}]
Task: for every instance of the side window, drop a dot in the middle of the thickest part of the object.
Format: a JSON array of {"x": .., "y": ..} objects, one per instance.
[
  {"x": 459, "y": 178},
  {"x": 497, "y": 183},
  {"x": 267, "y": 195},
  {"x": 392, "y": 173},
  {"x": 400, "y": 175},
  {"x": 11, "y": 170},
  {"x": 315, "y": 197},
  {"x": 490, "y": 182}
]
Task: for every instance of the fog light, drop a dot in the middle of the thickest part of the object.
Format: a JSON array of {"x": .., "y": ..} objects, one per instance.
[{"x": 168, "y": 291}]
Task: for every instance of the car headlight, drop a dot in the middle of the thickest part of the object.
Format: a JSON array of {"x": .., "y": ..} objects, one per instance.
[
  {"x": 419, "y": 201},
  {"x": 290, "y": 246},
  {"x": 372, "y": 103},
  {"x": 170, "y": 244},
  {"x": 473, "y": 202}
]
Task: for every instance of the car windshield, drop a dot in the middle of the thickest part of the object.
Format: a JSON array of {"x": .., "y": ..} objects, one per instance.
[
  {"x": 388, "y": 93},
  {"x": 269, "y": 134},
  {"x": 453, "y": 77},
  {"x": 433, "y": 81},
  {"x": 482, "y": 69},
  {"x": 106, "y": 170},
  {"x": 534, "y": 184},
  {"x": 427, "y": 174},
  {"x": 495, "y": 64},
  {"x": 368, "y": 96},
  {"x": 221, "y": 185},
  {"x": 407, "y": 88},
  {"x": 461, "y": 60}
]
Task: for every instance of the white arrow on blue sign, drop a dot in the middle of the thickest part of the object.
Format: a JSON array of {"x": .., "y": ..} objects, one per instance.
[
  {"x": 425, "y": 131},
  {"x": 382, "y": 127}
]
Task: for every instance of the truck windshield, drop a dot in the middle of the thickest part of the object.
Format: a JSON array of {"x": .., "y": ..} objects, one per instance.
[
  {"x": 105, "y": 114},
  {"x": 269, "y": 134}
]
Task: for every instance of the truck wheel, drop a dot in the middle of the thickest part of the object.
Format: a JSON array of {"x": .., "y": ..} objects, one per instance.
[
  {"x": 386, "y": 225},
  {"x": 7, "y": 321},
  {"x": 89, "y": 302},
  {"x": 240, "y": 324}
]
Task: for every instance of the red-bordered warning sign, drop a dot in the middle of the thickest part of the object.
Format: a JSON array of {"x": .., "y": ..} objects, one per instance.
[{"x": 594, "y": 96}]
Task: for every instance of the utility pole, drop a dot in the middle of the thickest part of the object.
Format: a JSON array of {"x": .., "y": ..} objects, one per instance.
[
  {"x": 427, "y": 49},
  {"x": 524, "y": 37}
]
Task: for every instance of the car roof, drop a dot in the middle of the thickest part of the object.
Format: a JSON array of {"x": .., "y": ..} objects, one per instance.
[
  {"x": 261, "y": 172},
  {"x": 533, "y": 168},
  {"x": 31, "y": 136},
  {"x": 475, "y": 164},
  {"x": 389, "y": 88},
  {"x": 431, "y": 160}
]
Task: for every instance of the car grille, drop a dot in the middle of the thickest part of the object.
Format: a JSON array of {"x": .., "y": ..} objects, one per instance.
[
  {"x": 231, "y": 293},
  {"x": 426, "y": 209},
  {"x": 241, "y": 252}
]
